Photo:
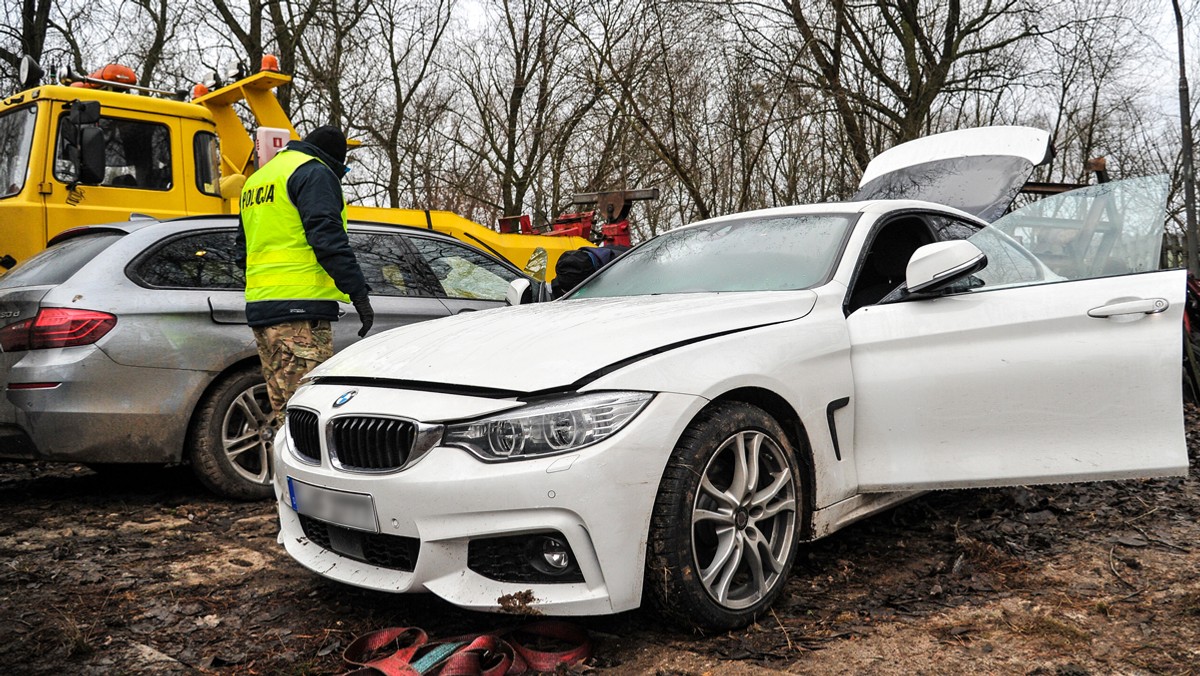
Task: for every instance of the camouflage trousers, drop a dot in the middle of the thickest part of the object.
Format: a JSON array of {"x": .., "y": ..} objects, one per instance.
[{"x": 288, "y": 351}]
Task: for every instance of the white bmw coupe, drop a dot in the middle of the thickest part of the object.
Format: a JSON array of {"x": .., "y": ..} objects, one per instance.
[{"x": 676, "y": 426}]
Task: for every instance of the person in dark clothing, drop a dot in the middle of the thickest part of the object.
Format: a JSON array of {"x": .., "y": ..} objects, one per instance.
[
  {"x": 299, "y": 263},
  {"x": 572, "y": 267}
]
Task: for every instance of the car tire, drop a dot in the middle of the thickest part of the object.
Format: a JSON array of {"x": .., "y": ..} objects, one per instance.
[
  {"x": 231, "y": 435},
  {"x": 722, "y": 539}
]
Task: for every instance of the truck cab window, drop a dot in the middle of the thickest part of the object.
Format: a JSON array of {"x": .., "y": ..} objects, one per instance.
[
  {"x": 136, "y": 155},
  {"x": 16, "y": 136},
  {"x": 208, "y": 163}
]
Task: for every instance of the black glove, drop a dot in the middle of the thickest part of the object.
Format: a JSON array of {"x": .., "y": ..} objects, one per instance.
[{"x": 366, "y": 314}]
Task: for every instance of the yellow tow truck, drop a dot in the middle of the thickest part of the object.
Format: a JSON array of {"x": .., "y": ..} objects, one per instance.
[{"x": 100, "y": 148}]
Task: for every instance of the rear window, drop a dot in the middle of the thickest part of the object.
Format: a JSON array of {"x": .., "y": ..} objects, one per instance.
[{"x": 56, "y": 264}]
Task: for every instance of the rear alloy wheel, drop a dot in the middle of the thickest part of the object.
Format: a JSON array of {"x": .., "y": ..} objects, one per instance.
[
  {"x": 724, "y": 529},
  {"x": 231, "y": 437}
]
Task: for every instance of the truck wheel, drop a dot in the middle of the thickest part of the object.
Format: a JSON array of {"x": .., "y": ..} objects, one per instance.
[
  {"x": 231, "y": 436},
  {"x": 724, "y": 528}
]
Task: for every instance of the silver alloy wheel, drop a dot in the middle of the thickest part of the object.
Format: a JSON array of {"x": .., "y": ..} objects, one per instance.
[
  {"x": 247, "y": 434},
  {"x": 744, "y": 519}
]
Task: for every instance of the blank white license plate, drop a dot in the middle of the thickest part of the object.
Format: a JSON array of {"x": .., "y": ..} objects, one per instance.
[{"x": 352, "y": 510}]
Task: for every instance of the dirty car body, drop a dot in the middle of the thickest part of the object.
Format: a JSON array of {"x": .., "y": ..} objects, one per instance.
[
  {"x": 733, "y": 388},
  {"x": 127, "y": 343}
]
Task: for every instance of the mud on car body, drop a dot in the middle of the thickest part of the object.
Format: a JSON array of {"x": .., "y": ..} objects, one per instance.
[{"x": 127, "y": 343}]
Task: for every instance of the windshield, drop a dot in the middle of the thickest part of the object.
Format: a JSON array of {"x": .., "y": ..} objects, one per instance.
[
  {"x": 16, "y": 138},
  {"x": 767, "y": 253}
]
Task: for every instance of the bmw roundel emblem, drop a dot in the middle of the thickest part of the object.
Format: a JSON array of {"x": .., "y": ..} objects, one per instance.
[{"x": 340, "y": 401}]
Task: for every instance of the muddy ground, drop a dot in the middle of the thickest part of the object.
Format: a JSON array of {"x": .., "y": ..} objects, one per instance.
[{"x": 153, "y": 575}]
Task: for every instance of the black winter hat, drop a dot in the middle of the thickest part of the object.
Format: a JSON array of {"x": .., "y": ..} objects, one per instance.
[
  {"x": 330, "y": 140},
  {"x": 572, "y": 268}
]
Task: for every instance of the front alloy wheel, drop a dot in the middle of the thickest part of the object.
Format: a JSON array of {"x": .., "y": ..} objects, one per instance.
[
  {"x": 724, "y": 529},
  {"x": 744, "y": 519}
]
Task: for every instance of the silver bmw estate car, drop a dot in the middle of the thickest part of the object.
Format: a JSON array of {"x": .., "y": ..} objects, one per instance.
[{"x": 127, "y": 343}]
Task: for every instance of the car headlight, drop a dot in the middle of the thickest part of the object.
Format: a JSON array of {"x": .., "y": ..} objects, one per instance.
[{"x": 548, "y": 426}]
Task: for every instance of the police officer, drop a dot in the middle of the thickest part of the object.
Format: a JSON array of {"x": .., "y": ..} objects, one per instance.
[{"x": 299, "y": 263}]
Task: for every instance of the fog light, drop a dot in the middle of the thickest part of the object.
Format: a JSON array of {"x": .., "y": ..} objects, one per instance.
[{"x": 556, "y": 554}]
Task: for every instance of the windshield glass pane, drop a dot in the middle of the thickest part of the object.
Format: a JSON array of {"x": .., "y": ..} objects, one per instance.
[
  {"x": 772, "y": 253},
  {"x": 16, "y": 137},
  {"x": 1113, "y": 228}
]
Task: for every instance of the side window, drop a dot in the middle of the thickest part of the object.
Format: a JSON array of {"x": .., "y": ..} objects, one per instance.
[
  {"x": 1008, "y": 263},
  {"x": 1113, "y": 228},
  {"x": 883, "y": 266},
  {"x": 949, "y": 229},
  {"x": 136, "y": 154},
  {"x": 464, "y": 272},
  {"x": 204, "y": 260},
  {"x": 208, "y": 163},
  {"x": 388, "y": 265}
]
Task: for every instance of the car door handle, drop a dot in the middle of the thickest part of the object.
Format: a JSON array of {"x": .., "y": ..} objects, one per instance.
[{"x": 1144, "y": 306}]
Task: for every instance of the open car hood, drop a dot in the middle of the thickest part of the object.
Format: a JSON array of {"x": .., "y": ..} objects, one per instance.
[
  {"x": 544, "y": 346},
  {"x": 977, "y": 170}
]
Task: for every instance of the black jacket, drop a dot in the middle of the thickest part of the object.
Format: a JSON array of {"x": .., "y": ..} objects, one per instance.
[
  {"x": 315, "y": 190},
  {"x": 575, "y": 266}
]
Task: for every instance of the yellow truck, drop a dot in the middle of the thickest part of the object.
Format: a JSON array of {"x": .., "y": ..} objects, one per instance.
[{"x": 100, "y": 148}]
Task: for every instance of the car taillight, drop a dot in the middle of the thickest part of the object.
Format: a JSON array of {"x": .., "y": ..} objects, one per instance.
[{"x": 56, "y": 327}]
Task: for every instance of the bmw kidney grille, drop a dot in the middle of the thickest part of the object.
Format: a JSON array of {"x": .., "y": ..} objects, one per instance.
[
  {"x": 362, "y": 443},
  {"x": 305, "y": 431}
]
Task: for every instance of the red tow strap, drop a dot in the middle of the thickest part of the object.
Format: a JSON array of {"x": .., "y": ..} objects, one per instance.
[
  {"x": 407, "y": 641},
  {"x": 472, "y": 655}
]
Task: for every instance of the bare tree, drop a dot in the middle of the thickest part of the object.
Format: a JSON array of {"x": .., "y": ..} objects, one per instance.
[
  {"x": 885, "y": 63},
  {"x": 285, "y": 28},
  {"x": 23, "y": 31},
  {"x": 335, "y": 38},
  {"x": 525, "y": 95},
  {"x": 151, "y": 46}
]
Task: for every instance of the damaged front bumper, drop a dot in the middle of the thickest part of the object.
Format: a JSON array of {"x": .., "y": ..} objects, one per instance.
[{"x": 472, "y": 532}]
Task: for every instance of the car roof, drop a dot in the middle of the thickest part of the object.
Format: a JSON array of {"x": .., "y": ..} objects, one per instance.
[
  {"x": 185, "y": 223},
  {"x": 848, "y": 208}
]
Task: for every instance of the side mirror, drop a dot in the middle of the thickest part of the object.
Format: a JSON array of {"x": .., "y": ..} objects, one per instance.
[
  {"x": 85, "y": 143},
  {"x": 936, "y": 266},
  {"x": 520, "y": 290}
]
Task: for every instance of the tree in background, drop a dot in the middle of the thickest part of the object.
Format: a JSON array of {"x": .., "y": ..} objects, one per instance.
[
  {"x": 496, "y": 107},
  {"x": 23, "y": 31}
]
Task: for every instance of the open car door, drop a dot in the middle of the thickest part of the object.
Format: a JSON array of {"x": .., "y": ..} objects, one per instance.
[
  {"x": 1072, "y": 375},
  {"x": 977, "y": 170}
]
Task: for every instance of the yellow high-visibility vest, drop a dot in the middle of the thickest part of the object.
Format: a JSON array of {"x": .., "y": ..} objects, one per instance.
[{"x": 280, "y": 265}]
